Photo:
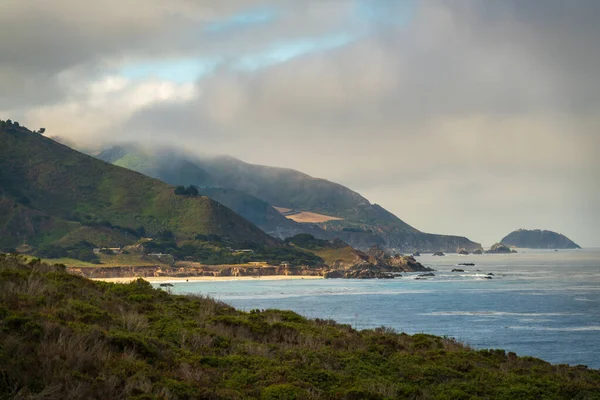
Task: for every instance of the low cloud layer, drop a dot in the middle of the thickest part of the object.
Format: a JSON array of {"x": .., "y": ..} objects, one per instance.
[{"x": 472, "y": 118}]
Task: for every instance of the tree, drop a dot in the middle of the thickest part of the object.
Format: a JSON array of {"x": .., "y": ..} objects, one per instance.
[
  {"x": 141, "y": 231},
  {"x": 192, "y": 191},
  {"x": 165, "y": 235}
]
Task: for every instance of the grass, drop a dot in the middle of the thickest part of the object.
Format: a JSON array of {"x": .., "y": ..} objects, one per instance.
[
  {"x": 334, "y": 253},
  {"x": 47, "y": 188},
  {"x": 106, "y": 260},
  {"x": 344, "y": 255},
  {"x": 69, "y": 262},
  {"x": 65, "y": 337}
]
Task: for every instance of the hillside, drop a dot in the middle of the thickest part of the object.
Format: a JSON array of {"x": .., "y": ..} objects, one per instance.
[
  {"x": 171, "y": 167},
  {"x": 49, "y": 191},
  {"x": 295, "y": 190},
  {"x": 65, "y": 337},
  {"x": 241, "y": 186},
  {"x": 538, "y": 239}
]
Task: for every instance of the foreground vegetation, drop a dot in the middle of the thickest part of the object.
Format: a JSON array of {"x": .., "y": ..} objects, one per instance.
[{"x": 65, "y": 337}]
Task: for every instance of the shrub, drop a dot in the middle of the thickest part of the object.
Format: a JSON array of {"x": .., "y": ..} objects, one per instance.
[{"x": 282, "y": 392}]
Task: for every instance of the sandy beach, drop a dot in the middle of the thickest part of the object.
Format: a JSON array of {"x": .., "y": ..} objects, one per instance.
[{"x": 171, "y": 279}]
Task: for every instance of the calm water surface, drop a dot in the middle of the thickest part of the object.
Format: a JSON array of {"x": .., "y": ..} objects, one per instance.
[{"x": 544, "y": 304}]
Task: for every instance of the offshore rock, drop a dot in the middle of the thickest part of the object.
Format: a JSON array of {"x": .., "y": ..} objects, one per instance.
[{"x": 500, "y": 248}]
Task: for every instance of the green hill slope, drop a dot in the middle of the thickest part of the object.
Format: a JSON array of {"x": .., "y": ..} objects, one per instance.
[
  {"x": 252, "y": 191},
  {"x": 173, "y": 168},
  {"x": 292, "y": 189},
  {"x": 363, "y": 224},
  {"x": 47, "y": 190},
  {"x": 65, "y": 337}
]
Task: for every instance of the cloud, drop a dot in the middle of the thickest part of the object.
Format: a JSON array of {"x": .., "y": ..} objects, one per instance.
[{"x": 472, "y": 118}]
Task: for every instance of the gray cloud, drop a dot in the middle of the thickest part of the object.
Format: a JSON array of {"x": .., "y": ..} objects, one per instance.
[{"x": 472, "y": 118}]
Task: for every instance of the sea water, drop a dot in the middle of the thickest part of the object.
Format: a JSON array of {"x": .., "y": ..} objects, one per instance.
[{"x": 544, "y": 304}]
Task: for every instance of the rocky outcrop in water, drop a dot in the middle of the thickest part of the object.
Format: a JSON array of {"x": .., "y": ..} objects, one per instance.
[
  {"x": 406, "y": 264},
  {"x": 500, "y": 248}
]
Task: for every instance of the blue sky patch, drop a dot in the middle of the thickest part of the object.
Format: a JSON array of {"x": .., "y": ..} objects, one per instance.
[{"x": 242, "y": 20}]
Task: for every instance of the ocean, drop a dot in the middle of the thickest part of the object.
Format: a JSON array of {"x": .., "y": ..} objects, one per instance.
[{"x": 539, "y": 303}]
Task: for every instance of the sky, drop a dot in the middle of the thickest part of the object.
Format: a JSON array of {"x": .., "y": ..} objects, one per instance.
[{"x": 467, "y": 117}]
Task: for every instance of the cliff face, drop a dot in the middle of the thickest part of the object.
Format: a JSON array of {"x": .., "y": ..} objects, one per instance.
[
  {"x": 359, "y": 266},
  {"x": 539, "y": 239},
  {"x": 188, "y": 269}
]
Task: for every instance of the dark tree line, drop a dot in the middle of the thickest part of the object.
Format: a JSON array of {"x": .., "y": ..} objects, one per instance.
[{"x": 191, "y": 191}]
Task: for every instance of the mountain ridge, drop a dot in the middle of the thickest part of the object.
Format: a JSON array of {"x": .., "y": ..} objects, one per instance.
[{"x": 358, "y": 222}]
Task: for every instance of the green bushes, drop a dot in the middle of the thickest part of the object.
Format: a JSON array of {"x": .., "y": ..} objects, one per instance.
[
  {"x": 283, "y": 392},
  {"x": 80, "y": 251},
  {"x": 88, "y": 339}
]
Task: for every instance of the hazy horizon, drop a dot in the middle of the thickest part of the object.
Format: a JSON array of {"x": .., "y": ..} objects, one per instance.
[{"x": 467, "y": 118}]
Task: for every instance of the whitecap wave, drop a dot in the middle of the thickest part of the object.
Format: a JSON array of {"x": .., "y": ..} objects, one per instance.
[
  {"x": 232, "y": 296},
  {"x": 497, "y": 314},
  {"x": 555, "y": 329},
  {"x": 582, "y": 299}
]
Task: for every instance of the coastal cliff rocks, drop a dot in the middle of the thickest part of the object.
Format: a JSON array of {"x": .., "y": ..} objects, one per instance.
[
  {"x": 376, "y": 252},
  {"x": 407, "y": 264},
  {"x": 367, "y": 273},
  {"x": 377, "y": 268},
  {"x": 462, "y": 251}
]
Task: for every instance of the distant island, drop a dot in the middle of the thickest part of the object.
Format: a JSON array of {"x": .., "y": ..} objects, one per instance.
[{"x": 539, "y": 239}]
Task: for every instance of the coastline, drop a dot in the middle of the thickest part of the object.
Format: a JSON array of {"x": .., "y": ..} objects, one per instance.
[{"x": 174, "y": 279}]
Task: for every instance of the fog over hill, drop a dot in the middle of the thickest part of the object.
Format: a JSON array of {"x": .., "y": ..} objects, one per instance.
[{"x": 257, "y": 192}]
